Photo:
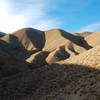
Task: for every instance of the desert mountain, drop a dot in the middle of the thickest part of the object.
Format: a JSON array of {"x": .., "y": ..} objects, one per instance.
[
  {"x": 74, "y": 79},
  {"x": 25, "y": 41},
  {"x": 49, "y": 65},
  {"x": 29, "y": 44}
]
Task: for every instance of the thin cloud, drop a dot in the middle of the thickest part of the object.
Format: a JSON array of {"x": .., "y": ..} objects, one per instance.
[
  {"x": 91, "y": 27},
  {"x": 15, "y": 15},
  {"x": 8, "y": 21},
  {"x": 47, "y": 24}
]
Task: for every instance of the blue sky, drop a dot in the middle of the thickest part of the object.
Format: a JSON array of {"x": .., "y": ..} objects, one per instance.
[{"x": 70, "y": 15}]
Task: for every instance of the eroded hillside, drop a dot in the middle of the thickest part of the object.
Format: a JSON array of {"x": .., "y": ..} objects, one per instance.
[
  {"x": 29, "y": 44},
  {"x": 50, "y": 65}
]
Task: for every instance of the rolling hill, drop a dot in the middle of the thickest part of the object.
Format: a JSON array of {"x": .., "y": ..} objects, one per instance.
[{"x": 49, "y": 65}]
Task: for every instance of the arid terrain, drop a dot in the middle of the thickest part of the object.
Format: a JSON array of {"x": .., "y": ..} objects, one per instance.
[{"x": 49, "y": 65}]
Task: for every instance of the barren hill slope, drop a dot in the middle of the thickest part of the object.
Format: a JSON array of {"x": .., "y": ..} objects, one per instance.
[
  {"x": 29, "y": 44},
  {"x": 63, "y": 45},
  {"x": 57, "y": 37},
  {"x": 29, "y": 38},
  {"x": 58, "y": 43},
  {"x": 24, "y": 42},
  {"x": 74, "y": 79},
  {"x": 63, "y": 66},
  {"x": 93, "y": 39}
]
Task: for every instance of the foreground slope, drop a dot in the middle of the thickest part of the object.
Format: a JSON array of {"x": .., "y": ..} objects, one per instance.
[
  {"x": 75, "y": 79},
  {"x": 10, "y": 65}
]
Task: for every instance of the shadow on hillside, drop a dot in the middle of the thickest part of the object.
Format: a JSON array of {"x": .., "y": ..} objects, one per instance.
[
  {"x": 76, "y": 39},
  {"x": 38, "y": 39},
  {"x": 2, "y": 34},
  {"x": 51, "y": 79},
  {"x": 15, "y": 47}
]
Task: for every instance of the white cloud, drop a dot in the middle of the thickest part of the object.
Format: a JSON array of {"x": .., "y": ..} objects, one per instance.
[
  {"x": 47, "y": 24},
  {"x": 8, "y": 22},
  {"x": 91, "y": 27},
  {"x": 15, "y": 15}
]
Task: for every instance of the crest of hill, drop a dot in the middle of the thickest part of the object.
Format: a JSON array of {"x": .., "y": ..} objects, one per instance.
[
  {"x": 24, "y": 42},
  {"x": 27, "y": 42},
  {"x": 57, "y": 37},
  {"x": 63, "y": 45},
  {"x": 29, "y": 38},
  {"x": 93, "y": 39},
  {"x": 32, "y": 39},
  {"x": 84, "y": 34}
]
